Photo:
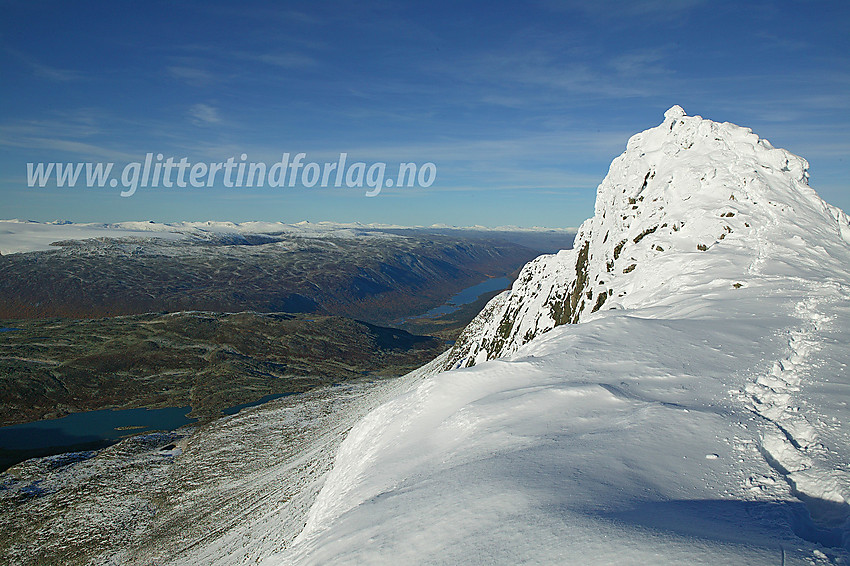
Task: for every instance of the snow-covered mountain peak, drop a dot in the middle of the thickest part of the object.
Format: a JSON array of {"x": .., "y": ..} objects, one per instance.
[
  {"x": 688, "y": 197},
  {"x": 703, "y": 420},
  {"x": 674, "y": 113}
]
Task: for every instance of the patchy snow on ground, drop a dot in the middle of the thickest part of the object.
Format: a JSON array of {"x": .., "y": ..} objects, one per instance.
[{"x": 21, "y": 236}]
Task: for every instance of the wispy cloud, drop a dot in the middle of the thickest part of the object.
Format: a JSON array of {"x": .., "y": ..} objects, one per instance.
[
  {"x": 302, "y": 17},
  {"x": 47, "y": 72},
  {"x": 290, "y": 60},
  {"x": 644, "y": 63},
  {"x": 83, "y": 149},
  {"x": 617, "y": 10},
  {"x": 74, "y": 123},
  {"x": 787, "y": 43},
  {"x": 191, "y": 75},
  {"x": 525, "y": 78},
  {"x": 73, "y": 131},
  {"x": 276, "y": 14},
  {"x": 202, "y": 114}
]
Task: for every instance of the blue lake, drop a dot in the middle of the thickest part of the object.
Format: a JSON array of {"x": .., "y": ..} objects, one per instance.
[
  {"x": 469, "y": 295},
  {"x": 91, "y": 427},
  {"x": 8, "y": 329},
  {"x": 235, "y": 409},
  {"x": 93, "y": 430}
]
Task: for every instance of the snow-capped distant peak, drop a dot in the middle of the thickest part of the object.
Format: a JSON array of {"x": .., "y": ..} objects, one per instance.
[{"x": 21, "y": 236}]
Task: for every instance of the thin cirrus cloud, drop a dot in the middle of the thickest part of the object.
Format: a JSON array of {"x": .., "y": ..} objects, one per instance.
[
  {"x": 202, "y": 114},
  {"x": 283, "y": 60},
  {"x": 617, "y": 10},
  {"x": 76, "y": 132},
  {"x": 43, "y": 71},
  {"x": 540, "y": 75},
  {"x": 191, "y": 75},
  {"x": 76, "y": 148},
  {"x": 193, "y": 70}
]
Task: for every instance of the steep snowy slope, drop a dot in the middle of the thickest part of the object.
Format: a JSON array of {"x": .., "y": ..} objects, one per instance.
[{"x": 698, "y": 414}]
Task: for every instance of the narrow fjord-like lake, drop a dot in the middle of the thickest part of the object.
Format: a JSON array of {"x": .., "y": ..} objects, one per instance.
[{"x": 468, "y": 295}]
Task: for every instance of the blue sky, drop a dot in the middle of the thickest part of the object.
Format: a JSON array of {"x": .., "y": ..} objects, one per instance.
[{"x": 521, "y": 106}]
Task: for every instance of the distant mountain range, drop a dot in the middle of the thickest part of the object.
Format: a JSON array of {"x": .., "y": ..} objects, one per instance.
[
  {"x": 379, "y": 277},
  {"x": 17, "y": 236}
]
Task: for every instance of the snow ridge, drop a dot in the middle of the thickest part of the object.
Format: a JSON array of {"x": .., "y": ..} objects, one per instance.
[
  {"x": 679, "y": 190},
  {"x": 671, "y": 391}
]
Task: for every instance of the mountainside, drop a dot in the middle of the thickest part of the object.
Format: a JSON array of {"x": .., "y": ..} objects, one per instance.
[
  {"x": 372, "y": 276},
  {"x": 697, "y": 413},
  {"x": 679, "y": 189}
]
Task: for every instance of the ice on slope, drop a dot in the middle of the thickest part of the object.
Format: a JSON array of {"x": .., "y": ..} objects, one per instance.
[{"x": 704, "y": 420}]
